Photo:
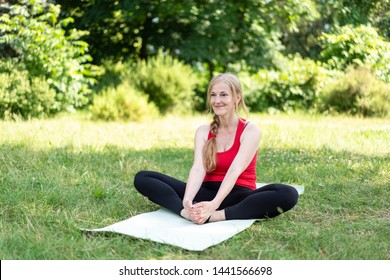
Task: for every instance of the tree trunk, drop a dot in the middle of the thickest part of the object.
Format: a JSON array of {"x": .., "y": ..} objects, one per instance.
[
  {"x": 145, "y": 35},
  {"x": 211, "y": 69}
]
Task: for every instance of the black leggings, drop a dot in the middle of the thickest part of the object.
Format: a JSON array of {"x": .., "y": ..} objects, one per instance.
[{"x": 241, "y": 203}]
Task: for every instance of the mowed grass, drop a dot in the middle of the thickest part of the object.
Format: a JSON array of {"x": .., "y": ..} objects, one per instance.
[{"x": 60, "y": 175}]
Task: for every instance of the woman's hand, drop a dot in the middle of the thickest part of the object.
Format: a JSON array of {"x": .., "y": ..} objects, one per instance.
[
  {"x": 201, "y": 212},
  {"x": 187, "y": 204},
  {"x": 187, "y": 210}
]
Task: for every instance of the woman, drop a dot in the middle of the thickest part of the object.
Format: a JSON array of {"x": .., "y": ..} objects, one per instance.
[{"x": 222, "y": 181}]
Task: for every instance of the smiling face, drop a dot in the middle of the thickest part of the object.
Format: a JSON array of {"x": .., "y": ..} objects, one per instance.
[
  {"x": 222, "y": 99},
  {"x": 224, "y": 95}
]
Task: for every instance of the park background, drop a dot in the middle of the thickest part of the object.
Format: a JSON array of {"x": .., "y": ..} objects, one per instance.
[{"x": 93, "y": 91}]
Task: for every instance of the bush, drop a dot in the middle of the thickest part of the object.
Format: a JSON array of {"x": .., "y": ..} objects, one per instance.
[
  {"x": 296, "y": 86},
  {"x": 168, "y": 82},
  {"x": 23, "y": 96},
  {"x": 358, "y": 92},
  {"x": 357, "y": 46},
  {"x": 113, "y": 74},
  {"x": 122, "y": 103},
  {"x": 37, "y": 36}
]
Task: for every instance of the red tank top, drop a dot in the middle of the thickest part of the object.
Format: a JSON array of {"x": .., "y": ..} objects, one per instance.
[{"x": 225, "y": 159}]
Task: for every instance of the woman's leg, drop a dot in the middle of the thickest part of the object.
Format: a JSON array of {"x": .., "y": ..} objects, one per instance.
[
  {"x": 161, "y": 189},
  {"x": 266, "y": 202},
  {"x": 168, "y": 192}
]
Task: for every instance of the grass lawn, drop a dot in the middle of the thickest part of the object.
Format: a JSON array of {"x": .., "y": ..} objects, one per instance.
[{"x": 59, "y": 175}]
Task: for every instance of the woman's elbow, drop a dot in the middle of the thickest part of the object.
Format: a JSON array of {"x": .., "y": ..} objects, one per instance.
[{"x": 198, "y": 170}]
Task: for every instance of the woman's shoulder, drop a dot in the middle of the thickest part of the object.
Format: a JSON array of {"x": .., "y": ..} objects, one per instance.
[
  {"x": 203, "y": 131},
  {"x": 203, "y": 128},
  {"x": 251, "y": 129},
  {"x": 251, "y": 126}
]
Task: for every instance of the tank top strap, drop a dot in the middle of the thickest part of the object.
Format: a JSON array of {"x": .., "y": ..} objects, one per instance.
[
  {"x": 210, "y": 135},
  {"x": 240, "y": 129}
]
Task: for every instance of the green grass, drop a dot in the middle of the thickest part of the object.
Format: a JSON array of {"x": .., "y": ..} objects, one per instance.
[{"x": 59, "y": 175}]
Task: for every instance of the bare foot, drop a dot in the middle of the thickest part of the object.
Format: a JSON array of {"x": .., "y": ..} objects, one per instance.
[
  {"x": 185, "y": 214},
  {"x": 218, "y": 216}
]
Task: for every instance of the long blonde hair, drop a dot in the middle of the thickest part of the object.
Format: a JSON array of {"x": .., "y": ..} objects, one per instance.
[{"x": 210, "y": 147}]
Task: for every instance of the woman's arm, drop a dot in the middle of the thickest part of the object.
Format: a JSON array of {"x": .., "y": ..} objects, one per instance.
[
  {"x": 250, "y": 140},
  {"x": 197, "y": 172}
]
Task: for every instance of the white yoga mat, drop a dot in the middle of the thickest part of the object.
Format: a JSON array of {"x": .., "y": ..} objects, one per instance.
[{"x": 164, "y": 226}]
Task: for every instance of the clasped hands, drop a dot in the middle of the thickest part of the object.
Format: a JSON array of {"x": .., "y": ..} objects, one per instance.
[{"x": 199, "y": 212}]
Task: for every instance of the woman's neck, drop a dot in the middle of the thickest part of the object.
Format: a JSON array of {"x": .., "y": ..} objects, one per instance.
[{"x": 229, "y": 121}]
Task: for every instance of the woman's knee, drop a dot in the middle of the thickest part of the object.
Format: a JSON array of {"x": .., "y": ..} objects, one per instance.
[
  {"x": 140, "y": 180},
  {"x": 290, "y": 196}
]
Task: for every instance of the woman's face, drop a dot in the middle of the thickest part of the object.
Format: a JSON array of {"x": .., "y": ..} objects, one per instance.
[{"x": 222, "y": 99}]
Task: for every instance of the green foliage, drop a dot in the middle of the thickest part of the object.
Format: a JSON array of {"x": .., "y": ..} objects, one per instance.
[
  {"x": 168, "y": 82},
  {"x": 36, "y": 34},
  {"x": 122, "y": 103},
  {"x": 357, "y": 46},
  {"x": 214, "y": 32},
  {"x": 113, "y": 74},
  {"x": 21, "y": 95},
  {"x": 200, "y": 98},
  {"x": 295, "y": 86},
  {"x": 358, "y": 92},
  {"x": 305, "y": 38},
  {"x": 380, "y": 17},
  {"x": 161, "y": 84}
]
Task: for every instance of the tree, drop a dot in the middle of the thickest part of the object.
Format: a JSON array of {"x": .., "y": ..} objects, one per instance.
[
  {"x": 380, "y": 18},
  {"x": 336, "y": 13},
  {"x": 216, "y": 33},
  {"x": 129, "y": 28},
  {"x": 229, "y": 32}
]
